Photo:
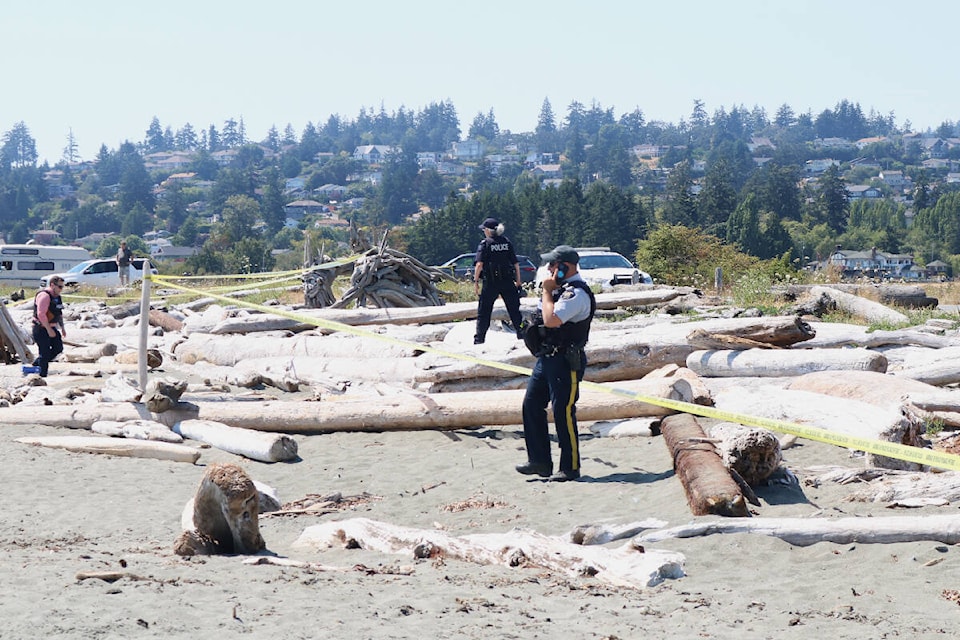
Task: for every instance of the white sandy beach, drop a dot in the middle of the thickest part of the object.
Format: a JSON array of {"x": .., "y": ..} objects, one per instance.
[{"x": 67, "y": 513}]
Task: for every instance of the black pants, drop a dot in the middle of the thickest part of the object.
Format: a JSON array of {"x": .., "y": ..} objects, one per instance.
[
  {"x": 48, "y": 348},
  {"x": 553, "y": 382},
  {"x": 493, "y": 289}
]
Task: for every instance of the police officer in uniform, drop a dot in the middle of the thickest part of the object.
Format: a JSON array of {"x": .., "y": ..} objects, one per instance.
[
  {"x": 567, "y": 307},
  {"x": 497, "y": 268},
  {"x": 48, "y": 330}
]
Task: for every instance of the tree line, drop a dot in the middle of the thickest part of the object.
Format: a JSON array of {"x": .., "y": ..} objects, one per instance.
[{"x": 706, "y": 177}]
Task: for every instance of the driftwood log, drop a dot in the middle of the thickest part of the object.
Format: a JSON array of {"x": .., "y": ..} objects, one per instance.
[
  {"x": 828, "y": 298},
  {"x": 764, "y": 363},
  {"x": 403, "y": 411},
  {"x": 839, "y": 415},
  {"x": 804, "y": 532},
  {"x": 254, "y": 445},
  {"x": 624, "y": 566},
  {"x": 706, "y": 481},
  {"x": 118, "y": 447}
]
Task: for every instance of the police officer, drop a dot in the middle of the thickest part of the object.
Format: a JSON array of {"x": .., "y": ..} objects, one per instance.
[
  {"x": 497, "y": 268},
  {"x": 48, "y": 330},
  {"x": 567, "y": 306}
]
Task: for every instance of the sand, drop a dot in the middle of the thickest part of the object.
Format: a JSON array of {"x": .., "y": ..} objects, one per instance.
[{"x": 67, "y": 513}]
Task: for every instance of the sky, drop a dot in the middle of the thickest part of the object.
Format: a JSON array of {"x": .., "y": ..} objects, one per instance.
[{"x": 103, "y": 69}]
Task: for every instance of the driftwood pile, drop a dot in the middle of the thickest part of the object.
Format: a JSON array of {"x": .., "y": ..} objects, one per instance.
[
  {"x": 386, "y": 278},
  {"x": 380, "y": 278},
  {"x": 832, "y": 376}
]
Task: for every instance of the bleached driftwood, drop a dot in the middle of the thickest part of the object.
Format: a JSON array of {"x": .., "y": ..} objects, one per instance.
[
  {"x": 622, "y": 566},
  {"x": 840, "y": 415},
  {"x": 624, "y": 354},
  {"x": 761, "y": 363},
  {"x": 360, "y": 413},
  {"x": 89, "y": 353},
  {"x": 834, "y": 335},
  {"x": 804, "y": 532},
  {"x": 136, "y": 429},
  {"x": 925, "y": 401},
  {"x": 706, "y": 481},
  {"x": 217, "y": 319},
  {"x": 120, "y": 388},
  {"x": 901, "y": 488},
  {"x": 117, "y": 447},
  {"x": 255, "y": 445},
  {"x": 868, "y": 310},
  {"x": 626, "y": 428},
  {"x": 604, "y": 533}
]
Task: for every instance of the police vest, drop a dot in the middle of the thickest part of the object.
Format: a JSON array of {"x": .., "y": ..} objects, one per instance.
[
  {"x": 541, "y": 340},
  {"x": 498, "y": 259}
]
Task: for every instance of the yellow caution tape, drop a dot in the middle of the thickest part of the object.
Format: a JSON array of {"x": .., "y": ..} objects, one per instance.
[{"x": 928, "y": 457}]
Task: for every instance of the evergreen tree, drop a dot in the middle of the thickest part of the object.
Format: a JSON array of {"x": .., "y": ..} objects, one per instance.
[
  {"x": 743, "y": 227},
  {"x": 833, "y": 201},
  {"x": 545, "y": 133},
  {"x": 680, "y": 205}
]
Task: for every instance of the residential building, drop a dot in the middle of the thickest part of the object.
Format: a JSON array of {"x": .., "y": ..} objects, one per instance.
[{"x": 873, "y": 264}]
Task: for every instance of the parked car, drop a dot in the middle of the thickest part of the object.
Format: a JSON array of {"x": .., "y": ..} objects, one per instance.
[
  {"x": 604, "y": 268},
  {"x": 99, "y": 272},
  {"x": 461, "y": 267}
]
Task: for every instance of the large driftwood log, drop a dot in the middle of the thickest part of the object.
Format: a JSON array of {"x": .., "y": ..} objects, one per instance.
[
  {"x": 360, "y": 413},
  {"x": 761, "y": 363},
  {"x": 840, "y": 415},
  {"x": 118, "y": 447},
  {"x": 835, "y": 335},
  {"x": 251, "y": 444},
  {"x": 706, "y": 481},
  {"x": 868, "y": 310},
  {"x": 623, "y": 566},
  {"x": 89, "y": 353},
  {"x": 807, "y": 531},
  {"x": 925, "y": 401}
]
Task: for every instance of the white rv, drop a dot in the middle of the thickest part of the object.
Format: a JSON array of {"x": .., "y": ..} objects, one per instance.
[{"x": 23, "y": 265}]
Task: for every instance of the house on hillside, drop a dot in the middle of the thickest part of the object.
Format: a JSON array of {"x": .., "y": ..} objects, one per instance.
[
  {"x": 467, "y": 150},
  {"x": 873, "y": 264},
  {"x": 893, "y": 179},
  {"x": 861, "y": 191},
  {"x": 373, "y": 153},
  {"x": 300, "y": 208}
]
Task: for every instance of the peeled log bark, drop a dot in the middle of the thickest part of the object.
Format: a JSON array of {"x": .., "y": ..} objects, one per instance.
[{"x": 706, "y": 481}]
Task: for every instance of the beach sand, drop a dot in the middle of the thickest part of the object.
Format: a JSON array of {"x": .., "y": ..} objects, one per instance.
[{"x": 66, "y": 513}]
